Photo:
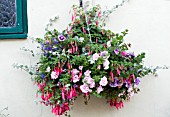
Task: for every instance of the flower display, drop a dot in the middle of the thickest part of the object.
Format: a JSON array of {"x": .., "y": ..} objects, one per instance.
[{"x": 87, "y": 59}]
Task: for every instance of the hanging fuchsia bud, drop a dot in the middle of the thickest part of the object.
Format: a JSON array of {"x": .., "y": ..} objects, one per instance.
[
  {"x": 80, "y": 74},
  {"x": 109, "y": 36},
  {"x": 76, "y": 47},
  {"x": 73, "y": 48},
  {"x": 112, "y": 76},
  {"x": 99, "y": 67},
  {"x": 63, "y": 95},
  {"x": 84, "y": 30},
  {"x": 96, "y": 40},
  {"x": 97, "y": 23},
  {"x": 73, "y": 17},
  {"x": 68, "y": 65},
  {"x": 99, "y": 14},
  {"x": 118, "y": 71},
  {"x": 121, "y": 104}
]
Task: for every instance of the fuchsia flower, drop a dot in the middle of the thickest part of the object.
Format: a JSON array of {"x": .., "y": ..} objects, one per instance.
[
  {"x": 103, "y": 81},
  {"x": 85, "y": 88}
]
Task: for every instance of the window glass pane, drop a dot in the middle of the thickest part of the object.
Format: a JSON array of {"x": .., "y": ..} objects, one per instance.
[{"x": 7, "y": 13}]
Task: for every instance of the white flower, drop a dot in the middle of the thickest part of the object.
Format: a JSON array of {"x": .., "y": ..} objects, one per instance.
[
  {"x": 99, "y": 89},
  {"x": 48, "y": 69},
  {"x": 91, "y": 61},
  {"x": 103, "y": 81},
  {"x": 54, "y": 53},
  {"x": 81, "y": 39},
  {"x": 85, "y": 88},
  {"x": 54, "y": 75},
  {"x": 106, "y": 64},
  {"x": 109, "y": 44},
  {"x": 75, "y": 78},
  {"x": 80, "y": 67}
]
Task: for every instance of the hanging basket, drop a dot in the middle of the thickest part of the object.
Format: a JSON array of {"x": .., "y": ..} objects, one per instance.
[{"x": 87, "y": 59}]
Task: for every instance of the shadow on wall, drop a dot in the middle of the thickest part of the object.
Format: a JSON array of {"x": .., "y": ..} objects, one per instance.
[{"x": 97, "y": 107}]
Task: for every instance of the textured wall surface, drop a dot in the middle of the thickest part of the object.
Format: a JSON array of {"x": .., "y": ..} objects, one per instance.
[{"x": 148, "y": 22}]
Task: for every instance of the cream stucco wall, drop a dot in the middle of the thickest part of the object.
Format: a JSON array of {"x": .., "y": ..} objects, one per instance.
[{"x": 149, "y": 25}]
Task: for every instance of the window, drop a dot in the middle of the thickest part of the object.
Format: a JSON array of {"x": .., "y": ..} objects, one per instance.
[{"x": 13, "y": 19}]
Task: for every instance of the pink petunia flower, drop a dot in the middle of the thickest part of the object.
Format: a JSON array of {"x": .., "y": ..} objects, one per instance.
[
  {"x": 123, "y": 53},
  {"x": 54, "y": 75},
  {"x": 76, "y": 78},
  {"x": 109, "y": 44},
  {"x": 48, "y": 69},
  {"x": 99, "y": 89},
  {"x": 85, "y": 88},
  {"x": 95, "y": 56},
  {"x": 103, "y": 81},
  {"x": 75, "y": 71},
  {"x": 91, "y": 82},
  {"x": 106, "y": 64},
  {"x": 87, "y": 73}
]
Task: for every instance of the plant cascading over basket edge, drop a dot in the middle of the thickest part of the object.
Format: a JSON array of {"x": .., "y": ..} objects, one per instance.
[{"x": 86, "y": 59}]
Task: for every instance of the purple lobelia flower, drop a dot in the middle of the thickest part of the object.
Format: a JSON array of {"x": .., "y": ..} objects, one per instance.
[
  {"x": 131, "y": 54},
  {"x": 61, "y": 37},
  {"x": 114, "y": 84},
  {"x": 137, "y": 81},
  {"x": 55, "y": 41},
  {"x": 116, "y": 51},
  {"x": 43, "y": 75}
]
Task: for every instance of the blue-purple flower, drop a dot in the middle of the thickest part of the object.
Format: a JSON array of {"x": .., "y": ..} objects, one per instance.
[
  {"x": 114, "y": 84},
  {"x": 137, "y": 81},
  {"x": 43, "y": 75},
  {"x": 116, "y": 51},
  {"x": 61, "y": 37}
]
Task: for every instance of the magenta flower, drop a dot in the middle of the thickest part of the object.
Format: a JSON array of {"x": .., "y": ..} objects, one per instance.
[
  {"x": 103, "y": 81},
  {"x": 61, "y": 37},
  {"x": 123, "y": 53}
]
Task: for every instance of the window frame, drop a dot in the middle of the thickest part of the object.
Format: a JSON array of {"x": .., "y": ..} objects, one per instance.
[{"x": 21, "y": 29}]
